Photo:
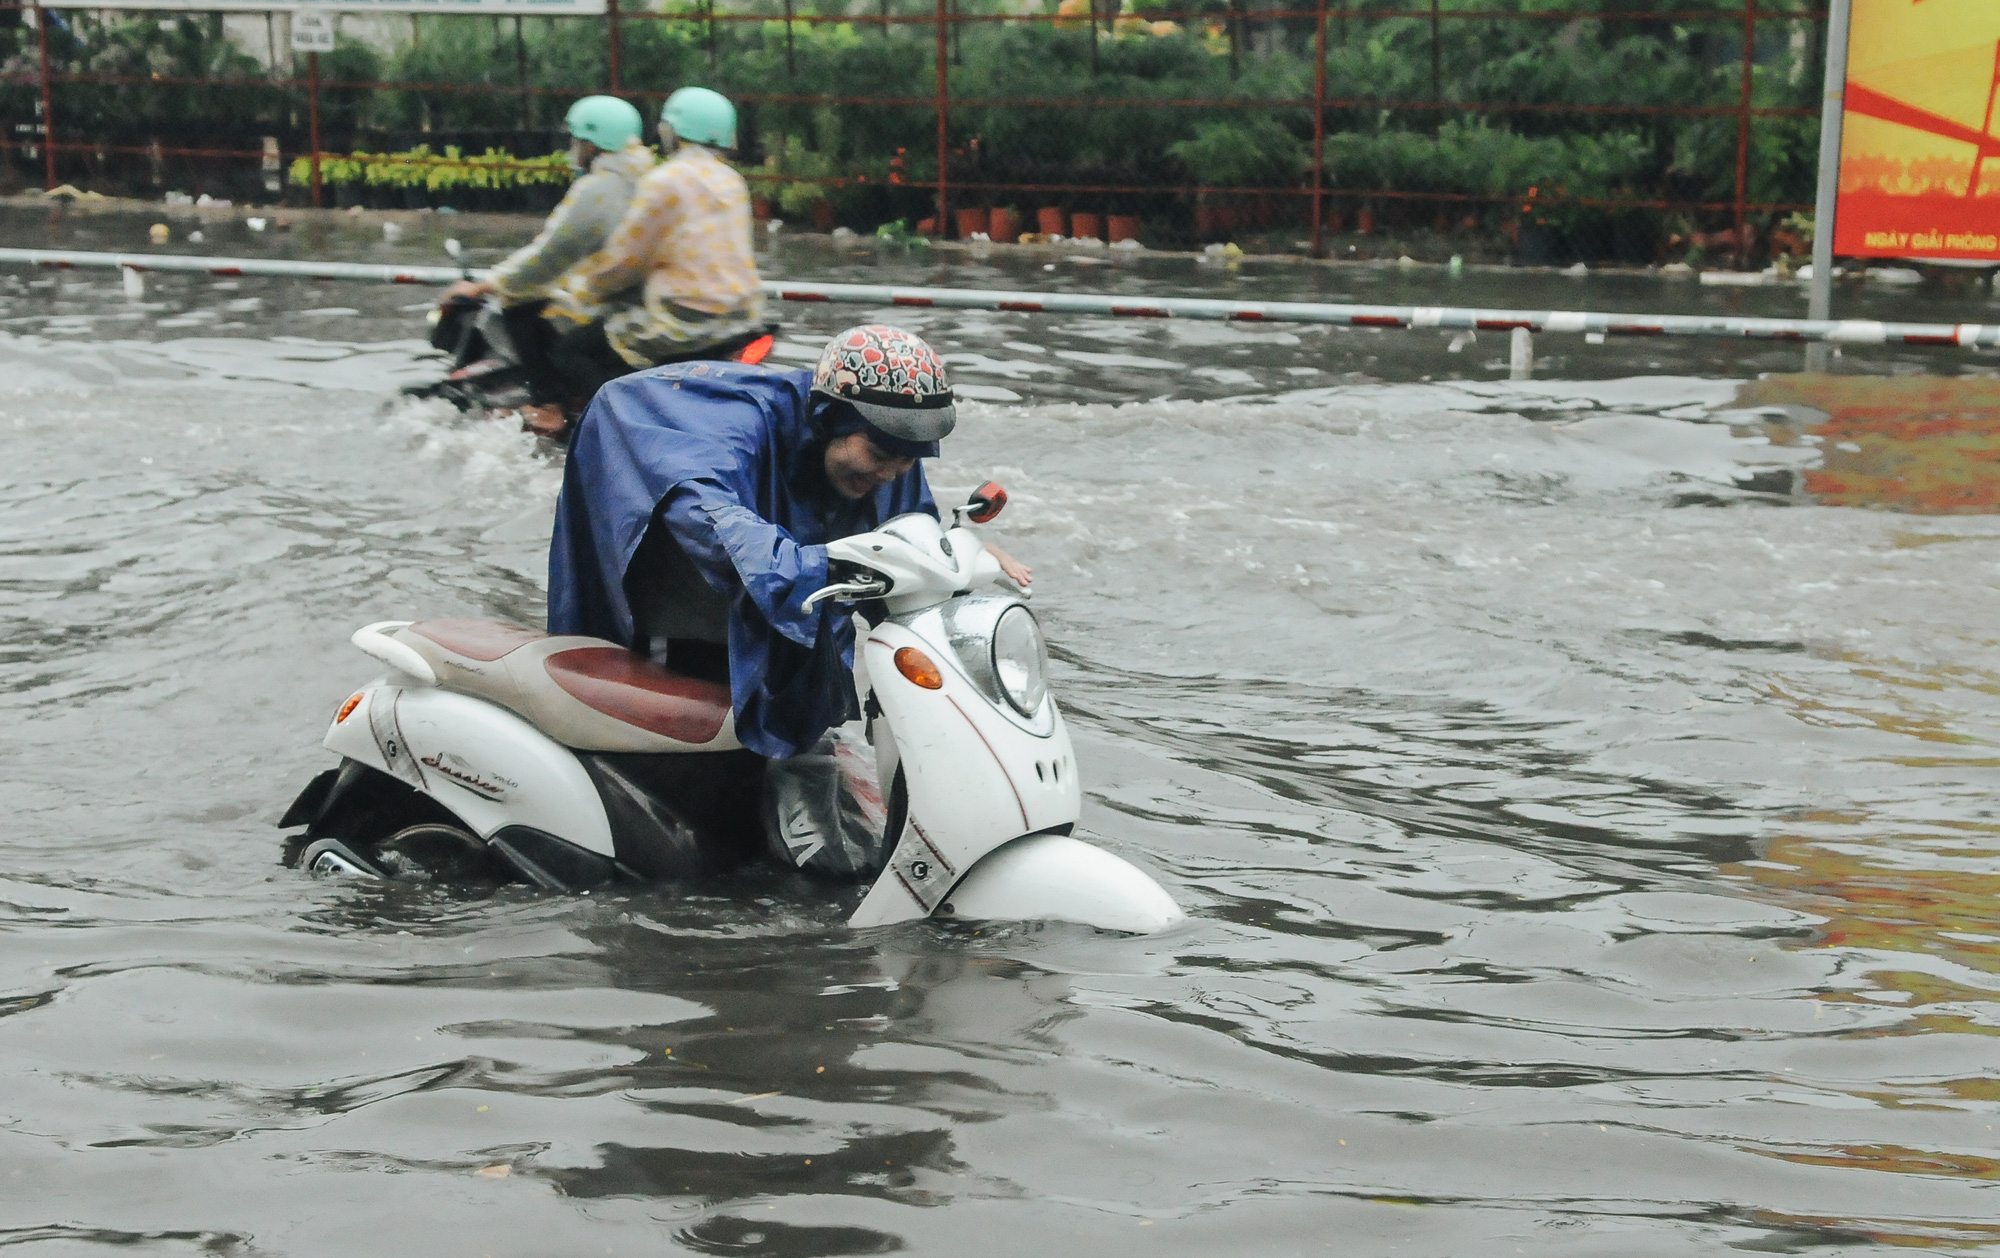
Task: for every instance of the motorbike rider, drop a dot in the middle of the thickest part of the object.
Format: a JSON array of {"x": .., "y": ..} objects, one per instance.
[
  {"x": 686, "y": 239},
  {"x": 608, "y": 158},
  {"x": 696, "y": 505}
]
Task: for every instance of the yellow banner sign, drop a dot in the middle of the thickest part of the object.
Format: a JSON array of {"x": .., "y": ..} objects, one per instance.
[{"x": 1918, "y": 176}]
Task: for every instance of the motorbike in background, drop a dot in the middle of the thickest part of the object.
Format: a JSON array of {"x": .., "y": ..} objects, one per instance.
[
  {"x": 489, "y": 371},
  {"x": 492, "y": 753}
]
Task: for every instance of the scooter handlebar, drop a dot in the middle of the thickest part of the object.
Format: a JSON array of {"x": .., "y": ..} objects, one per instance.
[{"x": 849, "y": 583}]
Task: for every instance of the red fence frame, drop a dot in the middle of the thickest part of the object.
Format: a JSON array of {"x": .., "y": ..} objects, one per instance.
[{"x": 943, "y": 19}]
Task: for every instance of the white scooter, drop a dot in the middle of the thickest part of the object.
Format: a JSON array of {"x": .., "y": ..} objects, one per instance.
[{"x": 491, "y": 752}]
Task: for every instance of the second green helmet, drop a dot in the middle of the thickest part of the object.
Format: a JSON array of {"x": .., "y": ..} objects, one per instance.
[
  {"x": 700, "y": 116},
  {"x": 605, "y": 121}
]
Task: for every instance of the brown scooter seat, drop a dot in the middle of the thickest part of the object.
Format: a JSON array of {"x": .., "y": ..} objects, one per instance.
[{"x": 583, "y": 692}]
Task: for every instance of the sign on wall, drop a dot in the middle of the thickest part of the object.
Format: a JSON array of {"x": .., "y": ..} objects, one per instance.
[
  {"x": 530, "y": 8},
  {"x": 312, "y": 32},
  {"x": 1919, "y": 161}
]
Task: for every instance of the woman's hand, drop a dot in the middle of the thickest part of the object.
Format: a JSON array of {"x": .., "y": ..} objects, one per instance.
[
  {"x": 1017, "y": 572},
  {"x": 474, "y": 290}
]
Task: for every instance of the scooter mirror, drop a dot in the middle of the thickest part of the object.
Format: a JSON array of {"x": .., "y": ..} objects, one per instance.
[{"x": 986, "y": 502}]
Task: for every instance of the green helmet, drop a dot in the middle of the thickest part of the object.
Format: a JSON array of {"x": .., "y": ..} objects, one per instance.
[
  {"x": 700, "y": 116},
  {"x": 605, "y": 121}
]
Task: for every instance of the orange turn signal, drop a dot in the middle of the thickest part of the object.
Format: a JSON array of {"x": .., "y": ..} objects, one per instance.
[
  {"x": 347, "y": 709},
  {"x": 917, "y": 667}
]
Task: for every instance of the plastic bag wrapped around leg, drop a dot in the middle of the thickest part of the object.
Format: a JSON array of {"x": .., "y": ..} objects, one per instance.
[{"x": 823, "y": 810}]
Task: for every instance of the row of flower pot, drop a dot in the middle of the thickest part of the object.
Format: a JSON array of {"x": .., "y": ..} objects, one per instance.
[
  {"x": 1001, "y": 224},
  {"x": 1005, "y": 224}
]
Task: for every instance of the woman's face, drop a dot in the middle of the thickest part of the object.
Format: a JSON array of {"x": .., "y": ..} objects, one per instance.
[{"x": 857, "y": 467}]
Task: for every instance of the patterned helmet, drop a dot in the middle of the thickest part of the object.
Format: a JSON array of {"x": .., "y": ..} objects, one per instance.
[{"x": 895, "y": 380}]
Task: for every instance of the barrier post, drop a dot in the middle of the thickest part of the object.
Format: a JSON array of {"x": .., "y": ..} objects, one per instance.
[
  {"x": 1743, "y": 127},
  {"x": 312, "y": 114},
  {"x": 944, "y": 115},
  {"x": 1833, "y": 103},
  {"x": 48, "y": 97},
  {"x": 1319, "y": 130},
  {"x": 611, "y": 30}
]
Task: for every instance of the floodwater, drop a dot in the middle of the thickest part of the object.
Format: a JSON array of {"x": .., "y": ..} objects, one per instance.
[{"x": 1580, "y": 789}]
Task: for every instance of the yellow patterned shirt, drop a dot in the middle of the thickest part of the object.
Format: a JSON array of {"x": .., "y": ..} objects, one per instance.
[{"x": 687, "y": 237}]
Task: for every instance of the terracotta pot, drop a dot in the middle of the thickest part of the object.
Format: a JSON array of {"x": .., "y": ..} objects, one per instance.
[
  {"x": 1334, "y": 223},
  {"x": 927, "y": 226},
  {"x": 970, "y": 221},
  {"x": 1365, "y": 221},
  {"x": 1004, "y": 226},
  {"x": 1086, "y": 226},
  {"x": 1049, "y": 221},
  {"x": 760, "y": 207},
  {"x": 823, "y": 215},
  {"x": 1204, "y": 221},
  {"x": 1122, "y": 227}
]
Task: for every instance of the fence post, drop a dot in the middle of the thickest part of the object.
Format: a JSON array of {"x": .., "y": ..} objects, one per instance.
[
  {"x": 611, "y": 26},
  {"x": 1743, "y": 126},
  {"x": 521, "y": 78},
  {"x": 312, "y": 114},
  {"x": 791, "y": 65},
  {"x": 1437, "y": 59},
  {"x": 1319, "y": 130},
  {"x": 48, "y": 96},
  {"x": 944, "y": 114}
]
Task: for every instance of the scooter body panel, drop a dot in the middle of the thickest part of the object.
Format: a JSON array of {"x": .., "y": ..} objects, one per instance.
[
  {"x": 975, "y": 778},
  {"x": 488, "y": 766}
]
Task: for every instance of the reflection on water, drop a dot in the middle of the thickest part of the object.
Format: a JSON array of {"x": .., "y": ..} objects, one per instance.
[
  {"x": 1920, "y": 444},
  {"x": 1587, "y": 827}
]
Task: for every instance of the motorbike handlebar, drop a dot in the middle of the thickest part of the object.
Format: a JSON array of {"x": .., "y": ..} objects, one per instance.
[{"x": 847, "y": 592}]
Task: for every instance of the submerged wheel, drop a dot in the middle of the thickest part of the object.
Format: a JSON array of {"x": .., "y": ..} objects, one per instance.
[
  {"x": 438, "y": 853},
  {"x": 330, "y": 858}
]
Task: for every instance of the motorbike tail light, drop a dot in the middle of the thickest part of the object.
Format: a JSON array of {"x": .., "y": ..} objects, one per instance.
[
  {"x": 347, "y": 709},
  {"x": 757, "y": 351},
  {"x": 918, "y": 669}
]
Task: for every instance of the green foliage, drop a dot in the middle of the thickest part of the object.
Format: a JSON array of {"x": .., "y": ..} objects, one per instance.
[
  {"x": 1255, "y": 151},
  {"x": 1561, "y": 136}
]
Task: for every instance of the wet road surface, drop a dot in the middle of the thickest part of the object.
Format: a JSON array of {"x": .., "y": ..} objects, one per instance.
[{"x": 1581, "y": 788}]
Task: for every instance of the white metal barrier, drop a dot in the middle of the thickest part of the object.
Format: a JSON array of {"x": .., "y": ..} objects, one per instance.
[{"x": 1838, "y": 331}]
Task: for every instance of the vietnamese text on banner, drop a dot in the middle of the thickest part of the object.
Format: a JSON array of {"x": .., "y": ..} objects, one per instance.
[{"x": 1919, "y": 163}]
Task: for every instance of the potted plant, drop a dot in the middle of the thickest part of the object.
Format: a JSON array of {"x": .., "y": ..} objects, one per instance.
[{"x": 1245, "y": 152}]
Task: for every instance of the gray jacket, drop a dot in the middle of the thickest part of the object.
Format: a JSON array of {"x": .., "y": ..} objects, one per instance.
[{"x": 577, "y": 230}]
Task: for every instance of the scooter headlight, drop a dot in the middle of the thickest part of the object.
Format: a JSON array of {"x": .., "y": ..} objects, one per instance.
[{"x": 1021, "y": 660}]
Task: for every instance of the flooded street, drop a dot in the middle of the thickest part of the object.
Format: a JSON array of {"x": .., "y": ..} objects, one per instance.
[{"x": 1581, "y": 789}]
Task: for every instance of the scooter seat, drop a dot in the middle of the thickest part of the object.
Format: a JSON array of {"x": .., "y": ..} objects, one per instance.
[{"x": 583, "y": 692}]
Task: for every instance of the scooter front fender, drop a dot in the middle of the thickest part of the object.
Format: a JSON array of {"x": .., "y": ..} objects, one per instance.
[{"x": 1053, "y": 877}]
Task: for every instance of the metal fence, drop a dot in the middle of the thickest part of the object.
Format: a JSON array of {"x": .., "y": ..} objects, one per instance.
[{"x": 1496, "y": 119}]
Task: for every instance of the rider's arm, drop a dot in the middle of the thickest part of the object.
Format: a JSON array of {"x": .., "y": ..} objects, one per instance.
[
  {"x": 575, "y": 231},
  {"x": 737, "y": 551},
  {"x": 627, "y": 257}
]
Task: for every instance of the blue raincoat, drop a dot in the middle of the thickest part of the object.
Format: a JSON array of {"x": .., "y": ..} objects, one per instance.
[{"x": 732, "y": 454}]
